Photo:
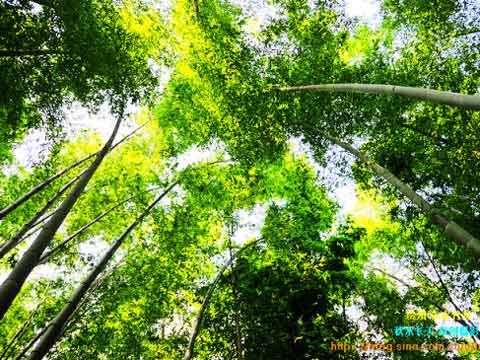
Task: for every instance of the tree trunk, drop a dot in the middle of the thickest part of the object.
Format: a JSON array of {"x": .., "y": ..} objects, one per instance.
[
  {"x": 45, "y": 257},
  {"x": 435, "y": 96},
  {"x": 5, "y": 211},
  {"x": 206, "y": 300},
  {"x": 12, "y": 285},
  {"x": 452, "y": 229},
  {"x": 16, "y": 239},
  {"x": 56, "y": 325}
]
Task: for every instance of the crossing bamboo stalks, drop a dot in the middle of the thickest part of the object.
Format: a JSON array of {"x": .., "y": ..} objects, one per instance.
[
  {"x": 17, "y": 277},
  {"x": 35, "y": 190},
  {"x": 55, "y": 327}
]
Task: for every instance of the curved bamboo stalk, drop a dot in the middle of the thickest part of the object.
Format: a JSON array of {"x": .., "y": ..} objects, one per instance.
[
  {"x": 451, "y": 228},
  {"x": 435, "y": 96},
  {"x": 206, "y": 300}
]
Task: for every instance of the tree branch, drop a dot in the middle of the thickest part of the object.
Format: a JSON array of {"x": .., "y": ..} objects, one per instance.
[
  {"x": 27, "y": 52},
  {"x": 426, "y": 298}
]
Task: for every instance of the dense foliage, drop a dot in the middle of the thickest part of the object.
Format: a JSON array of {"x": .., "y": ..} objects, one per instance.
[{"x": 145, "y": 250}]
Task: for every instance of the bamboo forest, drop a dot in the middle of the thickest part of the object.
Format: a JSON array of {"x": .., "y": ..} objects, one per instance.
[{"x": 239, "y": 179}]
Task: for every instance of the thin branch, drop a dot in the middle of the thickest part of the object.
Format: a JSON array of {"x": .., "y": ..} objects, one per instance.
[
  {"x": 198, "y": 321},
  {"x": 45, "y": 257},
  {"x": 97, "y": 283},
  {"x": 26, "y": 52},
  {"x": 467, "y": 32},
  {"x": 238, "y": 338},
  {"x": 18, "y": 335},
  {"x": 42, "y": 2},
  {"x": 17, "y": 238},
  {"x": 426, "y": 298},
  {"x": 77, "y": 312},
  {"x": 31, "y": 343},
  {"x": 440, "y": 279},
  {"x": 197, "y": 8}
]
